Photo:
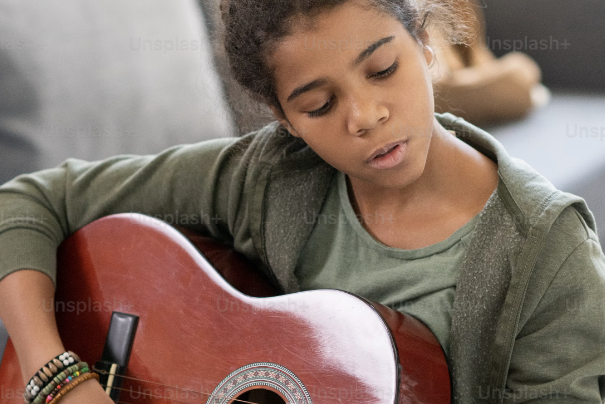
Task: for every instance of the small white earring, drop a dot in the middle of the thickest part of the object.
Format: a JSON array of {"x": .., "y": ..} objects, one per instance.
[{"x": 432, "y": 56}]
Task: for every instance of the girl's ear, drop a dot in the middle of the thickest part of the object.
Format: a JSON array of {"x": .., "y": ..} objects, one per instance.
[
  {"x": 429, "y": 53},
  {"x": 284, "y": 121}
]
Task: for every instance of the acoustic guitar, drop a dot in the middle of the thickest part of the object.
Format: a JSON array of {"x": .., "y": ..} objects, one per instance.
[{"x": 184, "y": 333}]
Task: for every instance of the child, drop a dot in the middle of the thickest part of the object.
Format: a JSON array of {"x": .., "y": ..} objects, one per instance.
[{"x": 432, "y": 216}]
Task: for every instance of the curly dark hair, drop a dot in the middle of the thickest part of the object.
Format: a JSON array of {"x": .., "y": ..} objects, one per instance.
[{"x": 252, "y": 29}]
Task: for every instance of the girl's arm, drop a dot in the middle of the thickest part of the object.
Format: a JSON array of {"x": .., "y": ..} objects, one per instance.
[
  {"x": 200, "y": 186},
  {"x": 559, "y": 353},
  {"x": 193, "y": 185},
  {"x": 33, "y": 329}
]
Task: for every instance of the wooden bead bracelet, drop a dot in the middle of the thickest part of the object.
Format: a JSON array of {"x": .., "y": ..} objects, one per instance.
[
  {"x": 64, "y": 383},
  {"x": 70, "y": 386}
]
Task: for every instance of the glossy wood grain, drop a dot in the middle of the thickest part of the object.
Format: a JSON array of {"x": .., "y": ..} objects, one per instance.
[{"x": 195, "y": 328}]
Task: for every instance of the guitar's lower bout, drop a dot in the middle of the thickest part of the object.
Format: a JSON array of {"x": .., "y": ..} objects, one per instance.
[{"x": 200, "y": 335}]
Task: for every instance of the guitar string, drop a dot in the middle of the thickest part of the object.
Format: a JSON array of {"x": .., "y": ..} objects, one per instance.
[
  {"x": 151, "y": 395},
  {"x": 164, "y": 398},
  {"x": 161, "y": 384}
]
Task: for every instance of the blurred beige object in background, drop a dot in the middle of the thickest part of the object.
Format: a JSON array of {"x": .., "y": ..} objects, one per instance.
[{"x": 472, "y": 83}]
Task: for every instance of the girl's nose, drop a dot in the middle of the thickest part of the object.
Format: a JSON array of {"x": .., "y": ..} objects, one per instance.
[{"x": 365, "y": 113}]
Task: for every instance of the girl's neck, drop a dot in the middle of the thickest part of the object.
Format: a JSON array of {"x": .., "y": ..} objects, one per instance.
[
  {"x": 433, "y": 182},
  {"x": 454, "y": 187},
  {"x": 455, "y": 175}
]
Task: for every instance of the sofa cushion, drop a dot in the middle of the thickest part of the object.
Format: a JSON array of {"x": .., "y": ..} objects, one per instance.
[{"x": 93, "y": 79}]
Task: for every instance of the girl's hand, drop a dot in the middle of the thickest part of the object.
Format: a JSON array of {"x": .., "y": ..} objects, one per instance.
[{"x": 33, "y": 330}]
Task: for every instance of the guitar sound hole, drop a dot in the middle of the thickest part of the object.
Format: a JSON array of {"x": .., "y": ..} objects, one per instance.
[{"x": 260, "y": 396}]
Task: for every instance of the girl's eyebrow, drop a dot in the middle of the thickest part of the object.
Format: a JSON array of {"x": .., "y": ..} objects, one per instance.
[
  {"x": 362, "y": 56},
  {"x": 366, "y": 53}
]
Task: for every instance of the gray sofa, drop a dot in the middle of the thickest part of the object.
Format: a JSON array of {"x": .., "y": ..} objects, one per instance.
[{"x": 93, "y": 79}]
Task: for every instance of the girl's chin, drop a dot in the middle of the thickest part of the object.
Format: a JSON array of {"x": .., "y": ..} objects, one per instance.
[{"x": 388, "y": 180}]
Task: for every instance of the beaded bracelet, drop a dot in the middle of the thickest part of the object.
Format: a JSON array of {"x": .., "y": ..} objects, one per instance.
[
  {"x": 72, "y": 385},
  {"x": 57, "y": 380},
  {"x": 47, "y": 372},
  {"x": 67, "y": 380},
  {"x": 64, "y": 383}
]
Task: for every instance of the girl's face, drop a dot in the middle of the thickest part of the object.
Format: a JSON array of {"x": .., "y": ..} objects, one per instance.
[{"x": 353, "y": 85}]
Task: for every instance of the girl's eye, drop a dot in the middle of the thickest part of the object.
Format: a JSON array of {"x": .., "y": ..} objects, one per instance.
[
  {"x": 380, "y": 75},
  {"x": 322, "y": 110},
  {"x": 386, "y": 73}
]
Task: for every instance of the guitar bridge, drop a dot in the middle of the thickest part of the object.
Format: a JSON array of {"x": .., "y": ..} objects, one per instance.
[{"x": 116, "y": 353}]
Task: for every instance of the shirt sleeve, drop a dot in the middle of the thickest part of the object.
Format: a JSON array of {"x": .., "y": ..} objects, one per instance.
[
  {"x": 559, "y": 353},
  {"x": 200, "y": 186}
]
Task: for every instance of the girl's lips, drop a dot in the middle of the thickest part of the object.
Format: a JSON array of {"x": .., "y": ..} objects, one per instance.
[
  {"x": 392, "y": 158},
  {"x": 383, "y": 150}
]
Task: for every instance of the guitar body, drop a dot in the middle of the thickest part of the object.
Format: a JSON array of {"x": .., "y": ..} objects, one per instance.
[{"x": 198, "y": 333}]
